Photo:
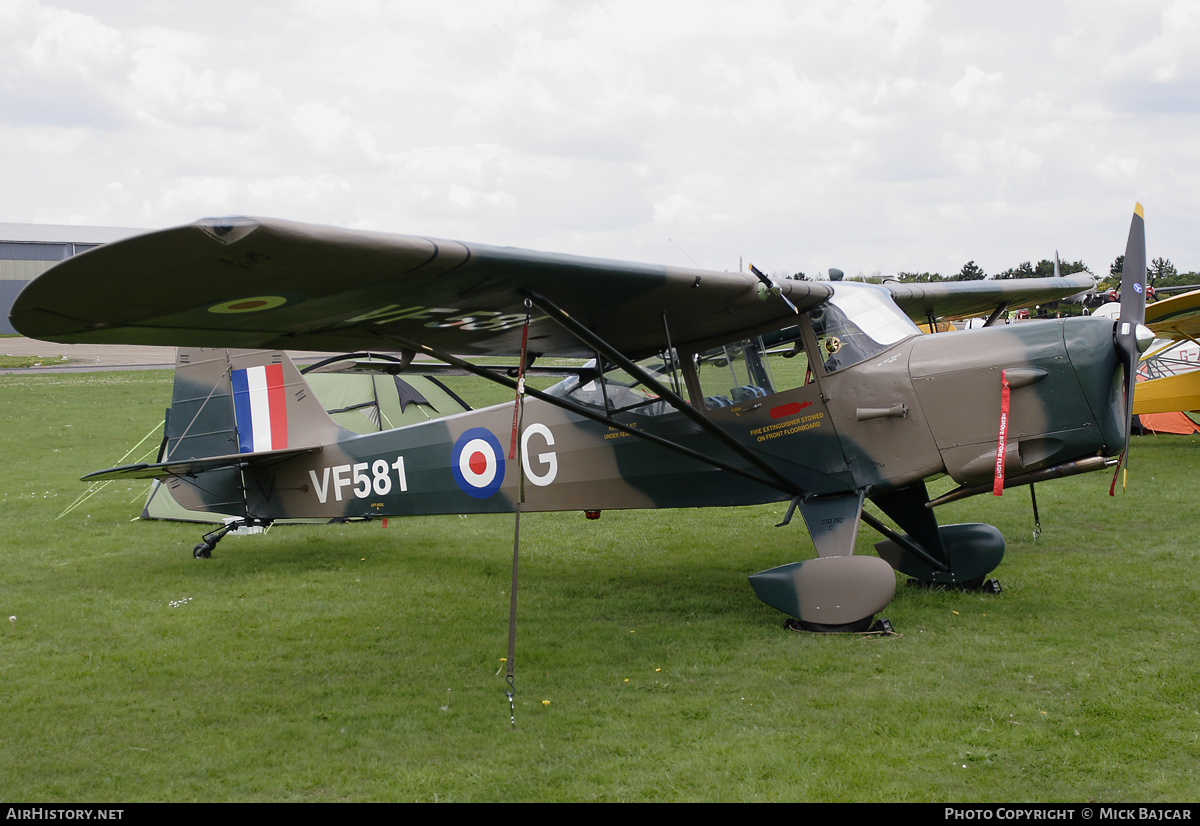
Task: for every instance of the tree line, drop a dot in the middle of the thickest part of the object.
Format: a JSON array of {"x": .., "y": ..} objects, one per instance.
[{"x": 1160, "y": 273}]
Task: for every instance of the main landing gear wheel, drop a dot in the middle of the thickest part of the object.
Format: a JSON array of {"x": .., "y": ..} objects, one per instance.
[
  {"x": 882, "y": 626},
  {"x": 987, "y": 586},
  {"x": 975, "y": 584},
  {"x": 972, "y": 551},
  {"x": 820, "y": 628},
  {"x": 828, "y": 594}
]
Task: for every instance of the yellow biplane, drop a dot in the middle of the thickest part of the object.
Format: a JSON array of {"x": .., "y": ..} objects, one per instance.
[{"x": 1176, "y": 319}]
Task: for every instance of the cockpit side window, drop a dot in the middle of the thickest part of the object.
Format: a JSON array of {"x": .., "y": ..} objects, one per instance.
[
  {"x": 733, "y": 373},
  {"x": 787, "y": 358},
  {"x": 616, "y": 391}
]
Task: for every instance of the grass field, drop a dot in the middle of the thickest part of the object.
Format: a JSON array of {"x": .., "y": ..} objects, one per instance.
[{"x": 353, "y": 662}]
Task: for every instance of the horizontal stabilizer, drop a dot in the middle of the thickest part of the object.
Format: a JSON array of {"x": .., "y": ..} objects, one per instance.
[{"x": 192, "y": 467}]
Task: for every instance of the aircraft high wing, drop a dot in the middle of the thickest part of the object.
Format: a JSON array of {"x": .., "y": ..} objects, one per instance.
[
  {"x": 962, "y": 299},
  {"x": 270, "y": 283},
  {"x": 701, "y": 389}
]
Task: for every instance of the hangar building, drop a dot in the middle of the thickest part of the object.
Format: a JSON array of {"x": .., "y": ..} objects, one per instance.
[{"x": 28, "y": 250}]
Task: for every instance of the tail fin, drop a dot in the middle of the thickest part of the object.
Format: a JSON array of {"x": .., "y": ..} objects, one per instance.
[
  {"x": 230, "y": 409},
  {"x": 241, "y": 401}
]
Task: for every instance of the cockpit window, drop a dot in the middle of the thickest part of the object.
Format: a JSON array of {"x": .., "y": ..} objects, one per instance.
[
  {"x": 734, "y": 373},
  {"x": 858, "y": 322},
  {"x": 724, "y": 376},
  {"x": 617, "y": 391}
]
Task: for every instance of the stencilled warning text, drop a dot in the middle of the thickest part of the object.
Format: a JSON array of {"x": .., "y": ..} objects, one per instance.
[{"x": 788, "y": 427}]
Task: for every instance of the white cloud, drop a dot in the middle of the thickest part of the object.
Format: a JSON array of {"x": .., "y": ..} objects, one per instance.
[
  {"x": 866, "y": 134},
  {"x": 972, "y": 89}
]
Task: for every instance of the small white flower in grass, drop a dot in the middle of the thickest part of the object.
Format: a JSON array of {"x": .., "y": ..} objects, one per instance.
[{"x": 13, "y": 618}]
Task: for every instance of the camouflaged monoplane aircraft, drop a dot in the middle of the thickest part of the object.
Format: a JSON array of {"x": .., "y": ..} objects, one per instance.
[{"x": 692, "y": 389}]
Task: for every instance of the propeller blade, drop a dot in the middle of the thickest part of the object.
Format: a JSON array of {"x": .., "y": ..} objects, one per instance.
[
  {"x": 1130, "y": 344},
  {"x": 1133, "y": 275},
  {"x": 773, "y": 288}
]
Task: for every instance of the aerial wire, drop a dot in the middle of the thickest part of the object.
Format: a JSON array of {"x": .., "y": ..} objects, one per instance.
[
  {"x": 681, "y": 249},
  {"x": 96, "y": 487},
  {"x": 514, "y": 452}
]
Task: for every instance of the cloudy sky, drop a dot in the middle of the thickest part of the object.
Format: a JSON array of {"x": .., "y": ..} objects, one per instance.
[{"x": 882, "y": 135}]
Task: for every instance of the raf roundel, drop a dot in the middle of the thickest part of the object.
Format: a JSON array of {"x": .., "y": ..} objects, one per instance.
[
  {"x": 254, "y": 304},
  {"x": 478, "y": 463}
]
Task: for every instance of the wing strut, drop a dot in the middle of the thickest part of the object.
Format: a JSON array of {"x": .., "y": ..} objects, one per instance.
[
  {"x": 616, "y": 357},
  {"x": 995, "y": 316},
  {"x": 580, "y": 410},
  {"x": 904, "y": 542}
]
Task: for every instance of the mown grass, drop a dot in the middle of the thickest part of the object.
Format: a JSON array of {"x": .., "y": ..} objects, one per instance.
[
  {"x": 17, "y": 362},
  {"x": 353, "y": 662}
]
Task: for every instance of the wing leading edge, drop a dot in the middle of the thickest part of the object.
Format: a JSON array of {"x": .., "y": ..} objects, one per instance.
[
  {"x": 958, "y": 299},
  {"x": 267, "y": 283},
  {"x": 276, "y": 284},
  {"x": 1176, "y": 318}
]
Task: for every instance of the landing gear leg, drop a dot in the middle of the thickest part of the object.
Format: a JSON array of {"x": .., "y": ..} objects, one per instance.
[
  {"x": 204, "y": 549},
  {"x": 953, "y": 556}
]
